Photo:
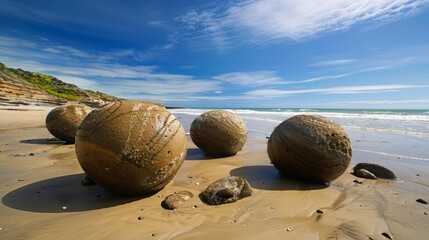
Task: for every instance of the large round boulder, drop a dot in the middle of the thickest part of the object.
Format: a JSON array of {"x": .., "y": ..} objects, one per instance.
[
  {"x": 219, "y": 133},
  {"x": 131, "y": 147},
  {"x": 311, "y": 148},
  {"x": 64, "y": 121}
]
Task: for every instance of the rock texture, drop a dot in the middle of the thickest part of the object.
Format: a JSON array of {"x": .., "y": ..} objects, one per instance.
[
  {"x": 362, "y": 173},
  {"x": 311, "y": 148},
  {"x": 227, "y": 190},
  {"x": 219, "y": 133},
  {"x": 131, "y": 147},
  {"x": 175, "y": 200},
  {"x": 374, "y": 169},
  {"x": 64, "y": 121}
]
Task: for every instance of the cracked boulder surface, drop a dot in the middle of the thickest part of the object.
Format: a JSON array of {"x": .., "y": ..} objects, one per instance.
[
  {"x": 310, "y": 147},
  {"x": 131, "y": 147}
]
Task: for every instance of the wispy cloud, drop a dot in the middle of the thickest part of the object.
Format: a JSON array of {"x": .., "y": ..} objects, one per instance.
[
  {"x": 334, "y": 62},
  {"x": 268, "y": 21},
  {"x": 386, "y": 102},
  {"x": 250, "y": 78},
  {"x": 332, "y": 90}
]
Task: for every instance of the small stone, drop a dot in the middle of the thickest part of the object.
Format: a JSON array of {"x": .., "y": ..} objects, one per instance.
[
  {"x": 375, "y": 169},
  {"x": 386, "y": 235},
  {"x": 289, "y": 229},
  {"x": 31, "y": 154},
  {"x": 64, "y": 208},
  {"x": 421, "y": 201},
  {"x": 425, "y": 213},
  {"x": 173, "y": 201},
  {"x": 197, "y": 183},
  {"x": 195, "y": 206},
  {"x": 140, "y": 218},
  {"x": 227, "y": 190},
  {"x": 87, "y": 181},
  {"x": 319, "y": 211},
  {"x": 154, "y": 234},
  {"x": 357, "y": 181},
  {"x": 364, "y": 174},
  {"x": 21, "y": 179},
  {"x": 418, "y": 175},
  {"x": 18, "y": 155}
]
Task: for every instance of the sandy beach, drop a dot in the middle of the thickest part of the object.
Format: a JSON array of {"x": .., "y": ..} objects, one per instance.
[{"x": 42, "y": 196}]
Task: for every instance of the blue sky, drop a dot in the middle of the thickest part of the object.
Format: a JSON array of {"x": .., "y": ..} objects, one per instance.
[{"x": 248, "y": 53}]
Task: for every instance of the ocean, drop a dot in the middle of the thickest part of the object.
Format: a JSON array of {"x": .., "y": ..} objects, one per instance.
[{"x": 403, "y": 134}]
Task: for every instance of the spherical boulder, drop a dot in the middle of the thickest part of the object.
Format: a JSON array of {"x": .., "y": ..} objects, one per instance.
[
  {"x": 219, "y": 133},
  {"x": 131, "y": 147},
  {"x": 311, "y": 148},
  {"x": 64, "y": 121}
]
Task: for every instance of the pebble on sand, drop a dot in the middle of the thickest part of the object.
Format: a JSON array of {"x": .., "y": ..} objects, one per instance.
[
  {"x": 376, "y": 170},
  {"x": 420, "y": 200},
  {"x": 363, "y": 173},
  {"x": 227, "y": 190},
  {"x": 173, "y": 201}
]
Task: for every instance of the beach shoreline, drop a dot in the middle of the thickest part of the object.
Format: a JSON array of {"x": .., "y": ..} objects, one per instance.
[{"x": 42, "y": 197}]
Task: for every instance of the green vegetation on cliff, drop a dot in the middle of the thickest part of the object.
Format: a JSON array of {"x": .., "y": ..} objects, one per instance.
[{"x": 53, "y": 86}]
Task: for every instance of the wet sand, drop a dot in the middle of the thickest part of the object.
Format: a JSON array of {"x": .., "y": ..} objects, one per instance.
[{"x": 42, "y": 197}]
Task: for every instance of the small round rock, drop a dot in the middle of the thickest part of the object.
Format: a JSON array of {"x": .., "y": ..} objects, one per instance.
[
  {"x": 64, "y": 121},
  {"x": 219, "y": 133},
  {"x": 131, "y": 147},
  {"x": 173, "y": 201},
  {"x": 227, "y": 190},
  {"x": 311, "y": 148}
]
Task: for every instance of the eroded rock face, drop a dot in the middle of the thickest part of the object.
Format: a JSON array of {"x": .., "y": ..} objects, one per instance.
[
  {"x": 375, "y": 170},
  {"x": 219, "y": 133},
  {"x": 131, "y": 147},
  {"x": 227, "y": 190},
  {"x": 311, "y": 148},
  {"x": 173, "y": 201},
  {"x": 64, "y": 121}
]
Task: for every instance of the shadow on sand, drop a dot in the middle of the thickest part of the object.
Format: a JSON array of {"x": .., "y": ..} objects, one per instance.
[
  {"x": 44, "y": 141},
  {"x": 51, "y": 195},
  {"x": 197, "y": 154},
  {"x": 267, "y": 177}
]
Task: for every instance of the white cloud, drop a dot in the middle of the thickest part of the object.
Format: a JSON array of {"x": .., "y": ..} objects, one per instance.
[
  {"x": 78, "y": 81},
  {"x": 386, "y": 102},
  {"x": 249, "y": 78},
  {"x": 267, "y": 21},
  {"x": 332, "y": 90},
  {"x": 333, "y": 62}
]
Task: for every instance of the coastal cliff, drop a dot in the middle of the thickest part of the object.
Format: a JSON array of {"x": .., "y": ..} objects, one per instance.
[{"x": 20, "y": 87}]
